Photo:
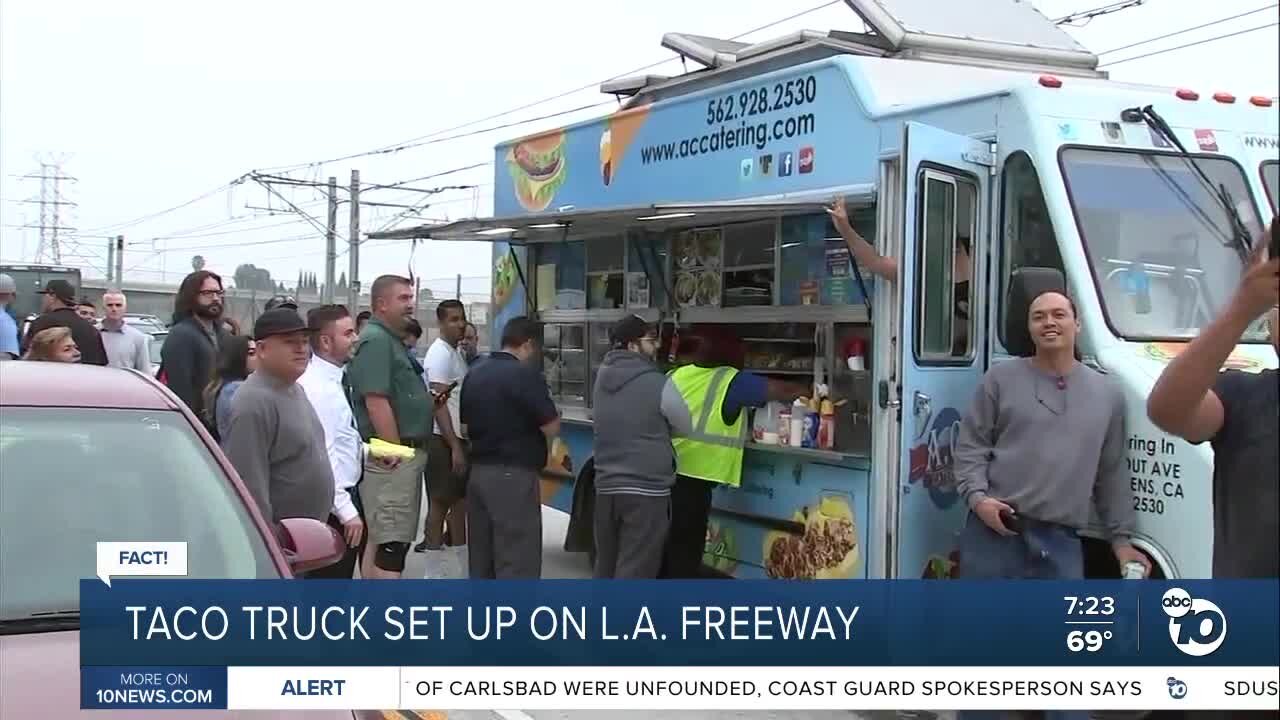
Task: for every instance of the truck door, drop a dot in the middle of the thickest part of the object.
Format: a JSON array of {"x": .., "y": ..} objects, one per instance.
[{"x": 943, "y": 277}]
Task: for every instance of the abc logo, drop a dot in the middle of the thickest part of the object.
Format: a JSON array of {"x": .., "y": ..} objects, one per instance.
[
  {"x": 1197, "y": 627},
  {"x": 1177, "y": 688}
]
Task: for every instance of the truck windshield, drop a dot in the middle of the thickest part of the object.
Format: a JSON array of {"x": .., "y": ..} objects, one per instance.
[{"x": 1158, "y": 239}]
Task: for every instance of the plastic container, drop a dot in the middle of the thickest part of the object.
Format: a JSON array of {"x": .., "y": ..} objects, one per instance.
[
  {"x": 769, "y": 438},
  {"x": 827, "y": 426},
  {"x": 798, "y": 412}
]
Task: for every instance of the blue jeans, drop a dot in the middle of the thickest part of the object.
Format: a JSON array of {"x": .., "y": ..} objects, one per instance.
[{"x": 1043, "y": 551}]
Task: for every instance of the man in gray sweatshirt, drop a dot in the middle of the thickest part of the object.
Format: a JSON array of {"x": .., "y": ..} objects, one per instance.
[
  {"x": 1044, "y": 442},
  {"x": 275, "y": 440},
  {"x": 636, "y": 411}
]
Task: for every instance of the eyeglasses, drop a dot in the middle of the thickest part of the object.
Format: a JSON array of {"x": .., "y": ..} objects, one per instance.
[{"x": 213, "y": 293}]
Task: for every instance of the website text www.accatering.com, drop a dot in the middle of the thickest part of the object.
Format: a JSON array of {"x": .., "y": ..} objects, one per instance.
[{"x": 728, "y": 137}]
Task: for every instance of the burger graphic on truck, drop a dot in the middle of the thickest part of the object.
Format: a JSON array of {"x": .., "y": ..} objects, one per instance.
[{"x": 537, "y": 168}]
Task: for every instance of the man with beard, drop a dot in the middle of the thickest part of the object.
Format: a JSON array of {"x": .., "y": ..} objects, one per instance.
[
  {"x": 331, "y": 346},
  {"x": 1237, "y": 412},
  {"x": 59, "y": 310},
  {"x": 390, "y": 402},
  {"x": 637, "y": 411},
  {"x": 193, "y": 341},
  {"x": 275, "y": 440},
  {"x": 1042, "y": 444}
]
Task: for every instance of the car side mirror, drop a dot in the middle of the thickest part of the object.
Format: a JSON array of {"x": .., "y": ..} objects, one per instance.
[{"x": 309, "y": 544}]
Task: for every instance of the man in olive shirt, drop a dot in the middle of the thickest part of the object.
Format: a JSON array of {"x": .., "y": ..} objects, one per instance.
[{"x": 390, "y": 402}]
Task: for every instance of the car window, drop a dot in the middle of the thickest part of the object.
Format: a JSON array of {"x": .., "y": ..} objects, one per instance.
[
  {"x": 70, "y": 478},
  {"x": 155, "y": 343}
]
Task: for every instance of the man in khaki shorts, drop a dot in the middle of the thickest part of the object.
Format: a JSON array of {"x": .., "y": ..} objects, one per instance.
[{"x": 390, "y": 402}]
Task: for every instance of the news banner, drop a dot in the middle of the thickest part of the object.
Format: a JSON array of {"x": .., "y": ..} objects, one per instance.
[{"x": 177, "y": 643}]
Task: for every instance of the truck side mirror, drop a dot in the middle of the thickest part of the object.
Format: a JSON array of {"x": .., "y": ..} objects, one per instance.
[{"x": 1025, "y": 284}]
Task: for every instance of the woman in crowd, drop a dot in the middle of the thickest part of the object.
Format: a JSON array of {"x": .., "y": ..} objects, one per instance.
[
  {"x": 54, "y": 344},
  {"x": 236, "y": 359}
]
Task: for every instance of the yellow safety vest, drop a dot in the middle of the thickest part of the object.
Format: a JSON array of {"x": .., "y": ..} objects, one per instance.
[{"x": 713, "y": 452}]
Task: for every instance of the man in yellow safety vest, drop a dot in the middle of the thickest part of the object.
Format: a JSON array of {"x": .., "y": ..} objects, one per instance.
[{"x": 717, "y": 393}]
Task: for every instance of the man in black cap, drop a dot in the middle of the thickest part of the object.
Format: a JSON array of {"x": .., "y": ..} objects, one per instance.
[
  {"x": 59, "y": 310},
  {"x": 275, "y": 439},
  {"x": 637, "y": 411}
]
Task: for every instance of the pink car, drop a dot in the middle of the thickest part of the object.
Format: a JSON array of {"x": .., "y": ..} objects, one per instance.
[{"x": 92, "y": 454}]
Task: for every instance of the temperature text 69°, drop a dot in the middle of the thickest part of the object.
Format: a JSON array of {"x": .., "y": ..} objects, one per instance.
[{"x": 1087, "y": 640}]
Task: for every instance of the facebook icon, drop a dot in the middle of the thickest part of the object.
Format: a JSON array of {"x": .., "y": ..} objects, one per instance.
[{"x": 784, "y": 164}]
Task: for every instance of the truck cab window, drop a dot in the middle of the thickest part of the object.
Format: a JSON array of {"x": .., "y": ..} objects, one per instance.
[
  {"x": 945, "y": 297},
  {"x": 1027, "y": 237},
  {"x": 1271, "y": 182}
]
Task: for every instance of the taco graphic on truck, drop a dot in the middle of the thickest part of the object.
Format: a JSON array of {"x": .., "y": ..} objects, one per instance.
[{"x": 537, "y": 168}]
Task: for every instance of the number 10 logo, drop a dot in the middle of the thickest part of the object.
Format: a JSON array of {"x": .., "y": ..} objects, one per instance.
[{"x": 1197, "y": 627}]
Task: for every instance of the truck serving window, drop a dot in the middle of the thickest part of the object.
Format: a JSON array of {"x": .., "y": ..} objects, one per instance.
[
  {"x": 944, "y": 299},
  {"x": 1026, "y": 233},
  {"x": 1158, "y": 239},
  {"x": 1271, "y": 182}
]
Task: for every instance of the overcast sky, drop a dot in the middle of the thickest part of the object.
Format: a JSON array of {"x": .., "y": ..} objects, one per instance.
[{"x": 152, "y": 103}]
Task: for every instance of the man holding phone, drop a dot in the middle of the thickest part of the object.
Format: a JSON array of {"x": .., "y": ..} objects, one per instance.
[
  {"x": 1238, "y": 412},
  {"x": 446, "y": 478}
]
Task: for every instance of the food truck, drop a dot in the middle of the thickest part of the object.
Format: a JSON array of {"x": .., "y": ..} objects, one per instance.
[{"x": 701, "y": 201}]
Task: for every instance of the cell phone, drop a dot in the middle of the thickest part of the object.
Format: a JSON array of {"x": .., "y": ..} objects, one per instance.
[
  {"x": 1011, "y": 520},
  {"x": 447, "y": 390}
]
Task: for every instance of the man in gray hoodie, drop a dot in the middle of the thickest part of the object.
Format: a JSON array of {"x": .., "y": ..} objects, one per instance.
[{"x": 637, "y": 410}]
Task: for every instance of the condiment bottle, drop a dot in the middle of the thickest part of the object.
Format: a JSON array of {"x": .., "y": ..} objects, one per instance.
[
  {"x": 784, "y": 425},
  {"x": 810, "y": 424},
  {"x": 798, "y": 412},
  {"x": 827, "y": 426}
]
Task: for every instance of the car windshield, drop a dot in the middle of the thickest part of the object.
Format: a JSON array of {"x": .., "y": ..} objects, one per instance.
[
  {"x": 71, "y": 477},
  {"x": 1271, "y": 181},
  {"x": 1159, "y": 240}
]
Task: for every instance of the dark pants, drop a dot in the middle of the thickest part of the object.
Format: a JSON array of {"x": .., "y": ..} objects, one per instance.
[
  {"x": 504, "y": 523},
  {"x": 631, "y": 535},
  {"x": 345, "y": 568},
  {"x": 687, "y": 539},
  {"x": 1044, "y": 551}
]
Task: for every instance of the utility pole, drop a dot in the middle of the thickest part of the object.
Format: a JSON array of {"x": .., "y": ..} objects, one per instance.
[
  {"x": 120, "y": 261},
  {"x": 330, "y": 244},
  {"x": 111, "y": 260},
  {"x": 457, "y": 291},
  {"x": 53, "y": 234},
  {"x": 353, "y": 247}
]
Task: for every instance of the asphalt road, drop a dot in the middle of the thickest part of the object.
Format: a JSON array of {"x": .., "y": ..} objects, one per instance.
[{"x": 556, "y": 563}]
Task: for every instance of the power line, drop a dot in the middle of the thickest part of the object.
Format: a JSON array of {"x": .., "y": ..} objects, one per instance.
[
  {"x": 149, "y": 216},
  {"x": 414, "y": 142},
  {"x": 1189, "y": 45},
  {"x": 1186, "y": 30}
]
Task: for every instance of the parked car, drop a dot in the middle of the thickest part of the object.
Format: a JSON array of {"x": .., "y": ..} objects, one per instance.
[
  {"x": 155, "y": 343},
  {"x": 91, "y": 454},
  {"x": 148, "y": 324}
]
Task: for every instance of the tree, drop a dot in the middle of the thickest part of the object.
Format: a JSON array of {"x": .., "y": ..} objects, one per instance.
[
  {"x": 251, "y": 277},
  {"x": 299, "y": 285}
]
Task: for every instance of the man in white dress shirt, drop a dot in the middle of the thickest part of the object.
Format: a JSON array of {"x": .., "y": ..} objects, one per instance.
[{"x": 331, "y": 346}]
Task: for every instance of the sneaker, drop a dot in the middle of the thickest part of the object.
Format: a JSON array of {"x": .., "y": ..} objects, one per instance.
[{"x": 420, "y": 547}]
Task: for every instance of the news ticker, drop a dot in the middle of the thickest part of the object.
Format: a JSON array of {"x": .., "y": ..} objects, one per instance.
[{"x": 681, "y": 688}]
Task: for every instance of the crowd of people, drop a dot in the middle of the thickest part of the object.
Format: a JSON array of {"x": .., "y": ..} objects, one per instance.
[{"x": 295, "y": 404}]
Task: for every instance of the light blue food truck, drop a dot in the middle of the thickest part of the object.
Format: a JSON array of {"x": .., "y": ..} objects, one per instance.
[{"x": 700, "y": 201}]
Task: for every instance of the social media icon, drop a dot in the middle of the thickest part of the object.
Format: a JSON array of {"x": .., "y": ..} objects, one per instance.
[
  {"x": 806, "y": 160},
  {"x": 1177, "y": 688},
  {"x": 748, "y": 167},
  {"x": 1197, "y": 627},
  {"x": 766, "y": 165},
  {"x": 784, "y": 164}
]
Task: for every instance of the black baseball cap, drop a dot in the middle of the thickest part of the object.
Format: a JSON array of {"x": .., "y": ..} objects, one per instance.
[
  {"x": 280, "y": 321},
  {"x": 281, "y": 301},
  {"x": 628, "y": 330},
  {"x": 62, "y": 290}
]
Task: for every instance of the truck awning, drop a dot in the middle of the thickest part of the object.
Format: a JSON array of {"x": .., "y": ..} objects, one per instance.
[{"x": 569, "y": 224}]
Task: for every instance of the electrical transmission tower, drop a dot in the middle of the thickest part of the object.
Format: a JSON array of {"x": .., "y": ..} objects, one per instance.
[{"x": 58, "y": 242}]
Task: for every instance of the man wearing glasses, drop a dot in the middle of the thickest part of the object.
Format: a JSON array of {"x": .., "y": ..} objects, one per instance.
[
  {"x": 188, "y": 353},
  {"x": 637, "y": 412}
]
